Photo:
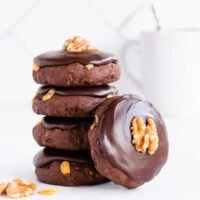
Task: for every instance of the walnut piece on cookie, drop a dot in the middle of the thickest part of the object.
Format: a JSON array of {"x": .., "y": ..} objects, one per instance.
[
  {"x": 78, "y": 44},
  {"x": 145, "y": 136}
]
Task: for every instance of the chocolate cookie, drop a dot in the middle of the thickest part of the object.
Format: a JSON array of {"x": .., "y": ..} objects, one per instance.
[
  {"x": 67, "y": 168},
  {"x": 63, "y": 68},
  {"x": 63, "y": 133},
  {"x": 128, "y": 140},
  {"x": 71, "y": 102}
]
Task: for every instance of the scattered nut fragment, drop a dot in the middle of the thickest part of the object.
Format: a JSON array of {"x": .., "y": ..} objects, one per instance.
[
  {"x": 65, "y": 167},
  {"x": 145, "y": 136},
  {"x": 3, "y": 187},
  {"x": 78, "y": 44},
  {"x": 48, "y": 95},
  {"x": 35, "y": 67},
  {"x": 89, "y": 66},
  {"x": 49, "y": 191},
  {"x": 18, "y": 188}
]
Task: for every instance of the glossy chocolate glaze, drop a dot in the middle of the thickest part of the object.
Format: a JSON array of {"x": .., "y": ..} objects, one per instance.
[
  {"x": 115, "y": 138},
  {"x": 64, "y": 122},
  {"x": 96, "y": 91},
  {"x": 48, "y": 155},
  {"x": 61, "y": 57}
]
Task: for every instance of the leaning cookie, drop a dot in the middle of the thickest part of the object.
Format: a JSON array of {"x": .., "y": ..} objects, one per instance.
[
  {"x": 63, "y": 133},
  {"x": 67, "y": 168},
  {"x": 71, "y": 101},
  {"x": 77, "y": 64},
  {"x": 128, "y": 141}
]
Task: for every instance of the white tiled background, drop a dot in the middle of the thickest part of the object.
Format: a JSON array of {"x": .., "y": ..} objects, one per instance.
[{"x": 28, "y": 28}]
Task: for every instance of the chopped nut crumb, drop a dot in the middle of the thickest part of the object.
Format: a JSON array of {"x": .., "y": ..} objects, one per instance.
[
  {"x": 89, "y": 66},
  {"x": 65, "y": 167},
  {"x": 48, "y": 95},
  {"x": 35, "y": 67},
  {"x": 78, "y": 44},
  {"x": 145, "y": 136}
]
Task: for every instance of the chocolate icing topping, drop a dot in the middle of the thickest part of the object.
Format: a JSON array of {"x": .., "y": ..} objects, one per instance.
[
  {"x": 61, "y": 57},
  {"x": 64, "y": 122},
  {"x": 115, "y": 138},
  {"x": 48, "y": 155},
  {"x": 96, "y": 91}
]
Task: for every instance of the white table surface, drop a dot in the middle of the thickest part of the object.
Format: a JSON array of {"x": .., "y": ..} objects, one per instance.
[{"x": 179, "y": 179}]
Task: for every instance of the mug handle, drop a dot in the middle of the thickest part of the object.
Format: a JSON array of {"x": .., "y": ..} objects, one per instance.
[{"x": 134, "y": 46}]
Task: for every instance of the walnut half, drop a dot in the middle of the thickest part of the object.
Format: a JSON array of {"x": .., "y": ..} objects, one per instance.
[
  {"x": 78, "y": 44},
  {"x": 145, "y": 135}
]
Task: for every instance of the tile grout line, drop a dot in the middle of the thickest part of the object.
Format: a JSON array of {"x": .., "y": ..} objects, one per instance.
[
  {"x": 90, "y": 4},
  {"x": 125, "y": 21},
  {"x": 21, "y": 45},
  {"x": 134, "y": 13}
]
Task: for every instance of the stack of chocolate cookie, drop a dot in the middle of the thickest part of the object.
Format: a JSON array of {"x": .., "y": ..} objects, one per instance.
[
  {"x": 89, "y": 133},
  {"x": 74, "y": 82}
]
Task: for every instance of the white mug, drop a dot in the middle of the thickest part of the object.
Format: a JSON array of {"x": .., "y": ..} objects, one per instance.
[{"x": 169, "y": 69}]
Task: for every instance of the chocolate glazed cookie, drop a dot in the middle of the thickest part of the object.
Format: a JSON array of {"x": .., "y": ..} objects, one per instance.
[
  {"x": 71, "y": 102},
  {"x": 128, "y": 140},
  {"x": 67, "y": 168},
  {"x": 64, "y": 68},
  {"x": 63, "y": 133}
]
